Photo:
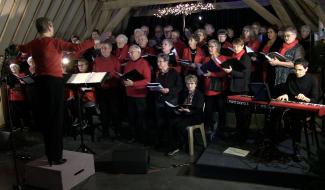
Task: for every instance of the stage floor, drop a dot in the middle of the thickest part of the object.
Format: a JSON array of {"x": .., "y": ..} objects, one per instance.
[{"x": 208, "y": 169}]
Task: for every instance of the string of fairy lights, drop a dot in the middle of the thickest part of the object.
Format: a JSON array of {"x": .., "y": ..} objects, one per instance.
[{"x": 184, "y": 9}]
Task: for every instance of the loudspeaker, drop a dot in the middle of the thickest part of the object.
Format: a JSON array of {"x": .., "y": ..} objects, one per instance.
[
  {"x": 131, "y": 161},
  {"x": 4, "y": 140}
]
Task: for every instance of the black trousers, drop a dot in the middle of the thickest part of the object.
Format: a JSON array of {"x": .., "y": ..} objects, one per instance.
[
  {"x": 215, "y": 104},
  {"x": 50, "y": 93},
  {"x": 177, "y": 129},
  {"x": 109, "y": 105},
  {"x": 137, "y": 117}
]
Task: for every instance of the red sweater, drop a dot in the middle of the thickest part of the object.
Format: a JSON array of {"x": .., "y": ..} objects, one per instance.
[
  {"x": 139, "y": 90},
  {"x": 16, "y": 93},
  {"x": 220, "y": 74},
  {"x": 179, "y": 46},
  {"x": 198, "y": 59},
  {"x": 111, "y": 65},
  {"x": 148, "y": 51},
  {"x": 47, "y": 53},
  {"x": 122, "y": 54}
]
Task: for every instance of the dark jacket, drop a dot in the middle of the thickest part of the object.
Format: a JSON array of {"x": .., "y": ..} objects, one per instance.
[
  {"x": 197, "y": 104},
  {"x": 170, "y": 80},
  {"x": 240, "y": 79},
  {"x": 292, "y": 54}
]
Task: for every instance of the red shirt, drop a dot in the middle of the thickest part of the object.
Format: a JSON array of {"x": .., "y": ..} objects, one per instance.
[
  {"x": 47, "y": 53},
  {"x": 139, "y": 90},
  {"x": 179, "y": 46},
  {"x": 16, "y": 93},
  {"x": 220, "y": 74},
  {"x": 148, "y": 51},
  {"x": 187, "y": 55},
  {"x": 111, "y": 65},
  {"x": 122, "y": 54}
]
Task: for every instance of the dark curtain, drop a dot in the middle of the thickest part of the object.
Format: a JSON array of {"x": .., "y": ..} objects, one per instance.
[{"x": 235, "y": 18}]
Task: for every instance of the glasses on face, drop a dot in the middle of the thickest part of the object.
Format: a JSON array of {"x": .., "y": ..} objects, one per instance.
[
  {"x": 130, "y": 52},
  {"x": 212, "y": 46}
]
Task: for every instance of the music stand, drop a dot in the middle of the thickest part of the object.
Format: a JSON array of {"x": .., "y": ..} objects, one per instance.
[
  {"x": 84, "y": 80},
  {"x": 260, "y": 91}
]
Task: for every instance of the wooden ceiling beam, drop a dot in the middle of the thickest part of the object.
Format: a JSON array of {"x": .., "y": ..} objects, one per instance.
[
  {"x": 309, "y": 12},
  {"x": 104, "y": 17},
  {"x": 117, "y": 4},
  {"x": 118, "y": 17},
  {"x": 300, "y": 13},
  {"x": 259, "y": 9},
  {"x": 281, "y": 12},
  {"x": 315, "y": 6},
  {"x": 87, "y": 14}
]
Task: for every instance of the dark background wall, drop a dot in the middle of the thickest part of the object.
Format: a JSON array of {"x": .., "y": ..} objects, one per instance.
[{"x": 236, "y": 19}]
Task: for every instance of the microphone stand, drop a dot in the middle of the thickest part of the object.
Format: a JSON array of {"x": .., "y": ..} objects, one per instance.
[
  {"x": 4, "y": 80},
  {"x": 18, "y": 185}
]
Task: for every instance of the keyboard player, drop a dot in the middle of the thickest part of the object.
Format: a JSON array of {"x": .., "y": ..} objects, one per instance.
[{"x": 300, "y": 87}]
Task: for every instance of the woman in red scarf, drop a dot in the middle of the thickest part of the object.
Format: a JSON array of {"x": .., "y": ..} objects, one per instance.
[
  {"x": 214, "y": 90},
  {"x": 239, "y": 85},
  {"x": 292, "y": 50},
  {"x": 273, "y": 44},
  {"x": 194, "y": 55}
]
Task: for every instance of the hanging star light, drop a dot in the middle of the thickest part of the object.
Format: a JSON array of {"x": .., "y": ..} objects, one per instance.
[{"x": 184, "y": 9}]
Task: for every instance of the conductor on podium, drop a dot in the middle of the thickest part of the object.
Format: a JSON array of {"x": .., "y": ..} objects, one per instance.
[{"x": 47, "y": 54}]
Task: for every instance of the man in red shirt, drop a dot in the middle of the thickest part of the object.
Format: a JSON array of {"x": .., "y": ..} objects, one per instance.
[
  {"x": 136, "y": 92},
  {"x": 47, "y": 55},
  {"x": 108, "y": 95}
]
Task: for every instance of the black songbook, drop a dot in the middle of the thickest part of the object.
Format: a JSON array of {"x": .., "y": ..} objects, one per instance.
[
  {"x": 210, "y": 66},
  {"x": 235, "y": 65},
  {"x": 186, "y": 63},
  {"x": 133, "y": 75},
  {"x": 273, "y": 55},
  {"x": 177, "y": 106},
  {"x": 226, "y": 51},
  {"x": 172, "y": 59},
  {"x": 152, "y": 59},
  {"x": 27, "y": 79}
]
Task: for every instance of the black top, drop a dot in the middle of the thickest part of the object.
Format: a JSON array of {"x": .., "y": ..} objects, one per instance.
[
  {"x": 196, "y": 108},
  {"x": 241, "y": 79},
  {"x": 306, "y": 85},
  {"x": 170, "y": 80}
]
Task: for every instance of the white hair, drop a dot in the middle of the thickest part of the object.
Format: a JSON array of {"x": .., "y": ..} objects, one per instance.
[{"x": 122, "y": 37}]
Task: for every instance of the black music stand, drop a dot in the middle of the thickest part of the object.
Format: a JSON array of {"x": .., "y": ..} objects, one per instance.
[
  {"x": 260, "y": 91},
  {"x": 84, "y": 80}
]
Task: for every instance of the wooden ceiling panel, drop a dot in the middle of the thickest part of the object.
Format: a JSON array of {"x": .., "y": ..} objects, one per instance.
[
  {"x": 41, "y": 11},
  {"x": 60, "y": 16},
  {"x": 69, "y": 18},
  {"x": 12, "y": 23},
  {"x": 27, "y": 19}
]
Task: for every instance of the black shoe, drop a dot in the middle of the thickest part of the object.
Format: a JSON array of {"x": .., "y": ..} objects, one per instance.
[
  {"x": 57, "y": 162},
  {"x": 173, "y": 152},
  {"x": 132, "y": 140}
]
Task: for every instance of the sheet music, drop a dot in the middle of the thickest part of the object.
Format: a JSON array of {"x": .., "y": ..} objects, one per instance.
[
  {"x": 87, "y": 78},
  {"x": 170, "y": 104}
]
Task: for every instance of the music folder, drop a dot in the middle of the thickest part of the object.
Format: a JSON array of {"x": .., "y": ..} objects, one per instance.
[
  {"x": 235, "y": 65},
  {"x": 154, "y": 86},
  {"x": 87, "y": 78},
  {"x": 27, "y": 79},
  {"x": 273, "y": 55},
  {"x": 133, "y": 75}
]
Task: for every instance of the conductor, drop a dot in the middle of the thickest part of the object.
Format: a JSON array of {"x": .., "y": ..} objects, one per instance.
[{"x": 47, "y": 54}]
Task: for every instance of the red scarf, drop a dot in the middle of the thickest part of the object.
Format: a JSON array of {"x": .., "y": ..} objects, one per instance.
[
  {"x": 238, "y": 55},
  {"x": 286, "y": 47}
]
